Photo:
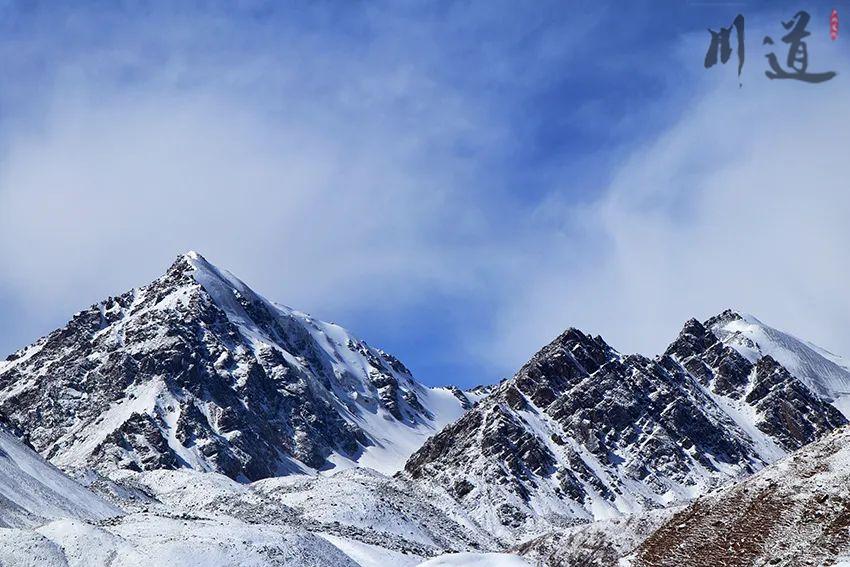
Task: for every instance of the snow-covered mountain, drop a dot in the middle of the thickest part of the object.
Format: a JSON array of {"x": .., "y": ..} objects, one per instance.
[
  {"x": 32, "y": 491},
  {"x": 826, "y": 374},
  {"x": 196, "y": 370},
  {"x": 227, "y": 429},
  {"x": 584, "y": 433}
]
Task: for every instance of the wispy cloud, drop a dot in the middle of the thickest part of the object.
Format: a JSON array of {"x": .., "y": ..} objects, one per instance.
[
  {"x": 742, "y": 203},
  {"x": 448, "y": 181},
  {"x": 345, "y": 161}
]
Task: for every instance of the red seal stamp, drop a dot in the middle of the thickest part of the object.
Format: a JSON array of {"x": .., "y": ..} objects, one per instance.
[{"x": 833, "y": 24}]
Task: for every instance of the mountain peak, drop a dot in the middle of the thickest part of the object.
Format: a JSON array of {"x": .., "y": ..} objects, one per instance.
[
  {"x": 196, "y": 370},
  {"x": 826, "y": 374},
  {"x": 693, "y": 327},
  {"x": 694, "y": 338},
  {"x": 185, "y": 264},
  {"x": 193, "y": 255},
  {"x": 190, "y": 259},
  {"x": 574, "y": 336}
]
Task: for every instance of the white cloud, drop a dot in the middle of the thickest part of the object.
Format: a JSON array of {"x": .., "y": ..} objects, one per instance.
[
  {"x": 130, "y": 185},
  {"x": 329, "y": 173},
  {"x": 743, "y": 203}
]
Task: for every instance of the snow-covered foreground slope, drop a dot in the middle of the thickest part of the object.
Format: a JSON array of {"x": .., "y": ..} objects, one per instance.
[
  {"x": 476, "y": 560},
  {"x": 32, "y": 491},
  {"x": 380, "y": 510},
  {"x": 195, "y": 370},
  {"x": 142, "y": 540},
  {"x": 187, "y": 518},
  {"x": 597, "y": 544},
  {"x": 359, "y": 506}
]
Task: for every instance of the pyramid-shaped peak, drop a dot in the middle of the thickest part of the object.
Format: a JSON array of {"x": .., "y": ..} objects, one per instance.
[
  {"x": 192, "y": 258},
  {"x": 254, "y": 389},
  {"x": 193, "y": 265},
  {"x": 195, "y": 260}
]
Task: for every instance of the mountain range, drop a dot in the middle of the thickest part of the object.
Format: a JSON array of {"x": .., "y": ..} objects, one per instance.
[
  {"x": 584, "y": 433},
  {"x": 193, "y": 410}
]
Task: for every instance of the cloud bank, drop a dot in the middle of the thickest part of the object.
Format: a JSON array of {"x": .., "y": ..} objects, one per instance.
[
  {"x": 743, "y": 203},
  {"x": 397, "y": 172}
]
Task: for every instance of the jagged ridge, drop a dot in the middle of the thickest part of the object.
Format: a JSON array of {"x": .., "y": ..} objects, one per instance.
[{"x": 582, "y": 432}]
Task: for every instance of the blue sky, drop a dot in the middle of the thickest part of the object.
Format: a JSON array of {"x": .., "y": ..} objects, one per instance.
[{"x": 455, "y": 182}]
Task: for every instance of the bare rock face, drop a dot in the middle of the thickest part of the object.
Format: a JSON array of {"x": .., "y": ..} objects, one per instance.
[
  {"x": 783, "y": 407},
  {"x": 196, "y": 370},
  {"x": 582, "y": 432}
]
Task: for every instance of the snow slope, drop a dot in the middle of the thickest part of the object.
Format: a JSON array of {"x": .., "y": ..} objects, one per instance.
[
  {"x": 476, "y": 560},
  {"x": 356, "y": 517},
  {"x": 33, "y": 491},
  {"x": 360, "y": 509},
  {"x": 369, "y": 555},
  {"x": 142, "y": 540},
  {"x": 597, "y": 544},
  {"x": 352, "y": 362}
]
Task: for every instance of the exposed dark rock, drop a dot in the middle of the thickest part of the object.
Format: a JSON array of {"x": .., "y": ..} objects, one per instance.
[
  {"x": 187, "y": 371},
  {"x": 581, "y": 424}
]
